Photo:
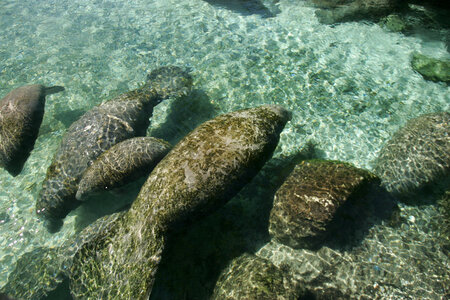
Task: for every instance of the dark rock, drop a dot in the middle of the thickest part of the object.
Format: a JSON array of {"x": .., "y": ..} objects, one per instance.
[
  {"x": 201, "y": 173},
  {"x": 4, "y": 218},
  {"x": 309, "y": 199},
  {"x": 336, "y": 11},
  {"x": 417, "y": 156},
  {"x": 253, "y": 278}
]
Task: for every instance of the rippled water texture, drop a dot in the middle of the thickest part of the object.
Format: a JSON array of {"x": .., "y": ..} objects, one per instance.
[{"x": 349, "y": 86}]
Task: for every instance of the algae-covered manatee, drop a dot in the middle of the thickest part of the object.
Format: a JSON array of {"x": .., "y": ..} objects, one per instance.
[
  {"x": 417, "y": 155},
  {"x": 98, "y": 130},
  {"x": 200, "y": 174},
  {"x": 121, "y": 164},
  {"x": 21, "y": 113}
]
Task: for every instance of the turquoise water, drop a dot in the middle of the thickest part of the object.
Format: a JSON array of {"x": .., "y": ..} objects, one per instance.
[{"x": 350, "y": 87}]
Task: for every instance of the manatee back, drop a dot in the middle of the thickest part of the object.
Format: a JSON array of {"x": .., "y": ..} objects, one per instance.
[
  {"x": 121, "y": 164},
  {"x": 21, "y": 114}
]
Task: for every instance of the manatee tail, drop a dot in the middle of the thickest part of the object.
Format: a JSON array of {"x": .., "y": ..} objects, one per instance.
[{"x": 53, "y": 89}]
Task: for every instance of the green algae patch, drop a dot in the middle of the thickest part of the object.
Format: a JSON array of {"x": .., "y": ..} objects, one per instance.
[{"x": 431, "y": 68}]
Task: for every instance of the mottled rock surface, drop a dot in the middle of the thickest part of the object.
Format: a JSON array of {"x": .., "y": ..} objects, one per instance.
[
  {"x": 254, "y": 278},
  {"x": 201, "y": 173},
  {"x": 309, "y": 199},
  {"x": 335, "y": 11},
  {"x": 21, "y": 113},
  {"x": 121, "y": 164},
  {"x": 98, "y": 130},
  {"x": 431, "y": 68},
  {"x": 417, "y": 155}
]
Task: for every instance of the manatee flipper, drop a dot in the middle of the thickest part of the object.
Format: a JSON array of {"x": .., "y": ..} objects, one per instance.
[
  {"x": 122, "y": 164},
  {"x": 21, "y": 114},
  {"x": 99, "y": 129}
]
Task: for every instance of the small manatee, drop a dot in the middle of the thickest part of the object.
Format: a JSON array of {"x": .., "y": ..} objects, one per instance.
[
  {"x": 199, "y": 175},
  {"x": 21, "y": 113},
  {"x": 96, "y": 131},
  {"x": 122, "y": 164}
]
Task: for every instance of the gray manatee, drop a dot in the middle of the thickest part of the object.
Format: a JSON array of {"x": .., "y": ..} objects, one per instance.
[
  {"x": 121, "y": 164},
  {"x": 96, "y": 131},
  {"x": 417, "y": 155},
  {"x": 200, "y": 174},
  {"x": 21, "y": 113}
]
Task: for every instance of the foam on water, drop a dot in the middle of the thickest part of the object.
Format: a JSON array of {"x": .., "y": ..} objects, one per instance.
[{"x": 349, "y": 86}]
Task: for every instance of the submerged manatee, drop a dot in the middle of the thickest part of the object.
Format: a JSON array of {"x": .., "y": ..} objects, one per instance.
[
  {"x": 417, "y": 155},
  {"x": 21, "y": 113},
  {"x": 201, "y": 173},
  {"x": 121, "y": 164},
  {"x": 98, "y": 130}
]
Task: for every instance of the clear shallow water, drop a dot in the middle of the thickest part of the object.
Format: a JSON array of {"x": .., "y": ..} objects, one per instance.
[{"x": 349, "y": 86}]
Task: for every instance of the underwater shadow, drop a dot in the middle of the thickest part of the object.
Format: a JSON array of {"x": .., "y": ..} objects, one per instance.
[
  {"x": 358, "y": 215},
  {"x": 105, "y": 203},
  {"x": 195, "y": 258},
  {"x": 185, "y": 114},
  {"x": 247, "y": 7}
]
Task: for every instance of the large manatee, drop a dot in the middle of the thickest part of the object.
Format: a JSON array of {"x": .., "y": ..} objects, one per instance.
[
  {"x": 98, "y": 130},
  {"x": 21, "y": 113},
  {"x": 201, "y": 173}
]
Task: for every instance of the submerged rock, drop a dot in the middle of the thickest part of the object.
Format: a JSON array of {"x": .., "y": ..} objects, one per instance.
[
  {"x": 201, "y": 173},
  {"x": 21, "y": 113},
  {"x": 121, "y": 164},
  {"x": 309, "y": 199},
  {"x": 417, "y": 155},
  {"x": 431, "y": 68},
  {"x": 98, "y": 130},
  {"x": 335, "y": 11},
  {"x": 253, "y": 278},
  {"x": 394, "y": 23}
]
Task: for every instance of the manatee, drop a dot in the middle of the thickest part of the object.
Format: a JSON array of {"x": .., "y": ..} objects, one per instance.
[
  {"x": 21, "y": 113},
  {"x": 254, "y": 278},
  {"x": 121, "y": 164},
  {"x": 200, "y": 174},
  {"x": 96, "y": 131},
  {"x": 417, "y": 156}
]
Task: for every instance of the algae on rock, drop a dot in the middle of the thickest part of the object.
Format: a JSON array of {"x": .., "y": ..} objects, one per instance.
[
  {"x": 201, "y": 173},
  {"x": 431, "y": 68}
]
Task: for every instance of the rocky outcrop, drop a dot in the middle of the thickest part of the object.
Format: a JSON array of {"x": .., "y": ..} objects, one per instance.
[
  {"x": 417, "y": 155},
  {"x": 431, "y": 68},
  {"x": 309, "y": 200},
  {"x": 201, "y": 173},
  {"x": 336, "y": 11},
  {"x": 253, "y": 278}
]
